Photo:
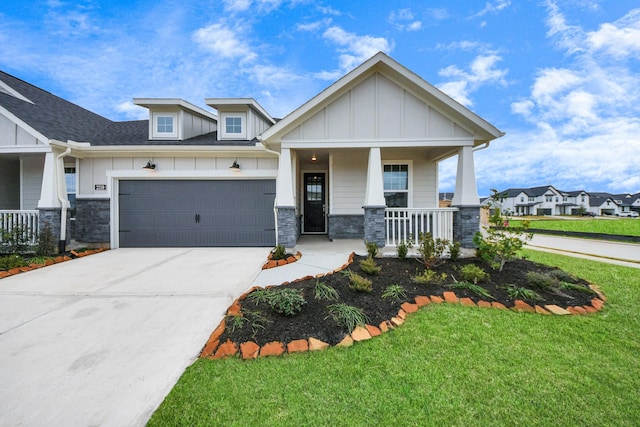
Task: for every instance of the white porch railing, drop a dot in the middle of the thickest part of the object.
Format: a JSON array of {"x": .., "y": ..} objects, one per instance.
[
  {"x": 405, "y": 224},
  {"x": 25, "y": 222}
]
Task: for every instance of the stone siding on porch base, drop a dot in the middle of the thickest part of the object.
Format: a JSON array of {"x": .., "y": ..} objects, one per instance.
[
  {"x": 287, "y": 226},
  {"x": 466, "y": 222},
  {"x": 346, "y": 226},
  {"x": 92, "y": 220},
  {"x": 374, "y": 225}
]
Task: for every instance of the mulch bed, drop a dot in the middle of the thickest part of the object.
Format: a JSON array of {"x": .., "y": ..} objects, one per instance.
[{"x": 314, "y": 320}]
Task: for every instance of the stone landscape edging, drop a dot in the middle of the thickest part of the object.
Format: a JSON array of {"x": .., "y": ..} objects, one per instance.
[
  {"x": 272, "y": 263},
  {"x": 213, "y": 349},
  {"x": 53, "y": 260}
]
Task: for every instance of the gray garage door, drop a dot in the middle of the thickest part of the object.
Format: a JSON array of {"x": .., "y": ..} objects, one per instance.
[{"x": 196, "y": 213}]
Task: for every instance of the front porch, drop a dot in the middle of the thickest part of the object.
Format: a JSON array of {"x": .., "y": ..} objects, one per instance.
[{"x": 18, "y": 228}]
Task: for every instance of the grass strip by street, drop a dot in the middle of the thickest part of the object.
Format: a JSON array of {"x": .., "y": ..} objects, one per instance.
[
  {"x": 447, "y": 365},
  {"x": 618, "y": 226}
]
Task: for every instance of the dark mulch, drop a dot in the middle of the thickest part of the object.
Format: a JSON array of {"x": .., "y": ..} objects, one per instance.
[{"x": 314, "y": 320}]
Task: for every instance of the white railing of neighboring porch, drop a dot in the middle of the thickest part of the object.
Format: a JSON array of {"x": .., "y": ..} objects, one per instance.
[
  {"x": 405, "y": 224},
  {"x": 19, "y": 221}
]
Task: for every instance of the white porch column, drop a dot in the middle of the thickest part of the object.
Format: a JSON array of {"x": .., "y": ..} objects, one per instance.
[
  {"x": 284, "y": 190},
  {"x": 374, "y": 195},
  {"x": 49, "y": 188},
  {"x": 466, "y": 193}
]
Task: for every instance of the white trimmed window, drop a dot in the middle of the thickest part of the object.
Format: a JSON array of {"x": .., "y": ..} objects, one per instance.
[
  {"x": 165, "y": 125},
  {"x": 234, "y": 126},
  {"x": 396, "y": 185}
]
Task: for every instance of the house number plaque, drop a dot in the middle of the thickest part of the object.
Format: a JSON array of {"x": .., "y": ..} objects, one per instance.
[{"x": 100, "y": 187}]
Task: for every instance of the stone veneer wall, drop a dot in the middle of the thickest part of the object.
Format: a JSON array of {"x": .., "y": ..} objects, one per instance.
[
  {"x": 346, "y": 226},
  {"x": 287, "y": 226},
  {"x": 51, "y": 217},
  {"x": 374, "y": 225},
  {"x": 466, "y": 222},
  {"x": 92, "y": 221}
]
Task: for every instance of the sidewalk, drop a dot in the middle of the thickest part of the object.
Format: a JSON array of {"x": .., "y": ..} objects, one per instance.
[{"x": 625, "y": 254}]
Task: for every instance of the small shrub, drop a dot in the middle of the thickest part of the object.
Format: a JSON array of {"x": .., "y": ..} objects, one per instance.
[
  {"x": 12, "y": 261},
  {"x": 454, "y": 251},
  {"x": 516, "y": 292},
  {"x": 372, "y": 249},
  {"x": 395, "y": 292},
  {"x": 473, "y": 273},
  {"x": 278, "y": 253},
  {"x": 347, "y": 315},
  {"x": 402, "y": 250},
  {"x": 260, "y": 296},
  {"x": 540, "y": 280},
  {"x": 431, "y": 250},
  {"x": 15, "y": 240},
  {"x": 562, "y": 276},
  {"x": 370, "y": 267},
  {"x": 251, "y": 318},
  {"x": 235, "y": 323},
  {"x": 38, "y": 260},
  {"x": 323, "y": 291},
  {"x": 286, "y": 301},
  {"x": 476, "y": 289},
  {"x": 46, "y": 245},
  {"x": 429, "y": 277},
  {"x": 359, "y": 283}
]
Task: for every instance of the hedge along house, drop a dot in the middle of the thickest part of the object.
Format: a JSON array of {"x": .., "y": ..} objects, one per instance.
[{"x": 359, "y": 160}]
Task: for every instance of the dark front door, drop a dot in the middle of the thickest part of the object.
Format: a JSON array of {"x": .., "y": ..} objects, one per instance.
[{"x": 314, "y": 203}]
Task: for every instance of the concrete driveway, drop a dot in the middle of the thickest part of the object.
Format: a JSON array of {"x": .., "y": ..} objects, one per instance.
[{"x": 101, "y": 340}]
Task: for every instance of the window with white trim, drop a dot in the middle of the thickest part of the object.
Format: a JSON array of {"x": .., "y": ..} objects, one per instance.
[
  {"x": 233, "y": 125},
  {"x": 165, "y": 125},
  {"x": 396, "y": 185}
]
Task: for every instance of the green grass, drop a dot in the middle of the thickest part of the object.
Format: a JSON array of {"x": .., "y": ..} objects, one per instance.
[
  {"x": 618, "y": 226},
  {"x": 447, "y": 365}
]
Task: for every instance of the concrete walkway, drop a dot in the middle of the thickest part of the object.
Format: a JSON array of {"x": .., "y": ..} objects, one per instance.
[
  {"x": 101, "y": 340},
  {"x": 625, "y": 254}
]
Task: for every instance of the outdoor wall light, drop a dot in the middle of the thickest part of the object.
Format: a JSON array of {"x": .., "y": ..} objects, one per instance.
[
  {"x": 235, "y": 166},
  {"x": 149, "y": 166},
  {"x": 313, "y": 157}
]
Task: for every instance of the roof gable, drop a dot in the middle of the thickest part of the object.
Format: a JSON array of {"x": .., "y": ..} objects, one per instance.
[{"x": 359, "y": 92}]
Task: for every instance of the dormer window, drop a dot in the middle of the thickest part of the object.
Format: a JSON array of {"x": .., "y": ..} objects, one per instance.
[
  {"x": 165, "y": 125},
  {"x": 234, "y": 125}
]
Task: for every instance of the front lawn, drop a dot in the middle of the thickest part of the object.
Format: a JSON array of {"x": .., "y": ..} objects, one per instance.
[
  {"x": 617, "y": 226},
  {"x": 447, "y": 365}
]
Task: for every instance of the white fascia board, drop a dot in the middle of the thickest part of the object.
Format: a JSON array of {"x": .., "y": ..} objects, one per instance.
[
  {"x": 83, "y": 151},
  {"x": 401, "y": 143},
  {"x": 25, "y": 149},
  {"x": 24, "y": 125},
  {"x": 245, "y": 102},
  {"x": 174, "y": 102},
  {"x": 11, "y": 91}
]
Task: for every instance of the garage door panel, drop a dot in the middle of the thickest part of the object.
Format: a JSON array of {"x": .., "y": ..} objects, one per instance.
[{"x": 196, "y": 213}]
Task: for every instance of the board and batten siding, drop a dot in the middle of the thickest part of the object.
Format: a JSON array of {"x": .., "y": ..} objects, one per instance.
[
  {"x": 348, "y": 182},
  {"x": 31, "y": 171},
  {"x": 194, "y": 125},
  {"x": 377, "y": 109},
  {"x": 13, "y": 135},
  {"x": 93, "y": 171}
]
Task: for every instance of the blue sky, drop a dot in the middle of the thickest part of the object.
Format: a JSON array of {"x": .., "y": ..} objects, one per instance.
[{"x": 560, "y": 77}]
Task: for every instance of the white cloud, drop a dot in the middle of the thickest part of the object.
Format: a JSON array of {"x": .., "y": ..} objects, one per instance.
[
  {"x": 355, "y": 49},
  {"x": 620, "y": 39},
  {"x": 224, "y": 41},
  {"x": 439, "y": 14},
  {"x": 244, "y": 5},
  {"x": 132, "y": 111},
  {"x": 314, "y": 26},
  {"x": 493, "y": 7},
  {"x": 403, "y": 20},
  {"x": 463, "y": 83}
]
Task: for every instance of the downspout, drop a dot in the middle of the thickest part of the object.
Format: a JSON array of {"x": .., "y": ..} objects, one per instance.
[
  {"x": 62, "y": 243},
  {"x": 275, "y": 200}
]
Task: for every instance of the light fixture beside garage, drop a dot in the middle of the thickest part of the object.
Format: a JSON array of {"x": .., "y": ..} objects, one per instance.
[
  {"x": 235, "y": 166},
  {"x": 149, "y": 166},
  {"x": 313, "y": 157}
]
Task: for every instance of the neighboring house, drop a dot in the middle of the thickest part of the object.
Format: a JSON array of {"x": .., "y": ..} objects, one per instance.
[
  {"x": 544, "y": 200},
  {"x": 547, "y": 200},
  {"x": 359, "y": 160}
]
